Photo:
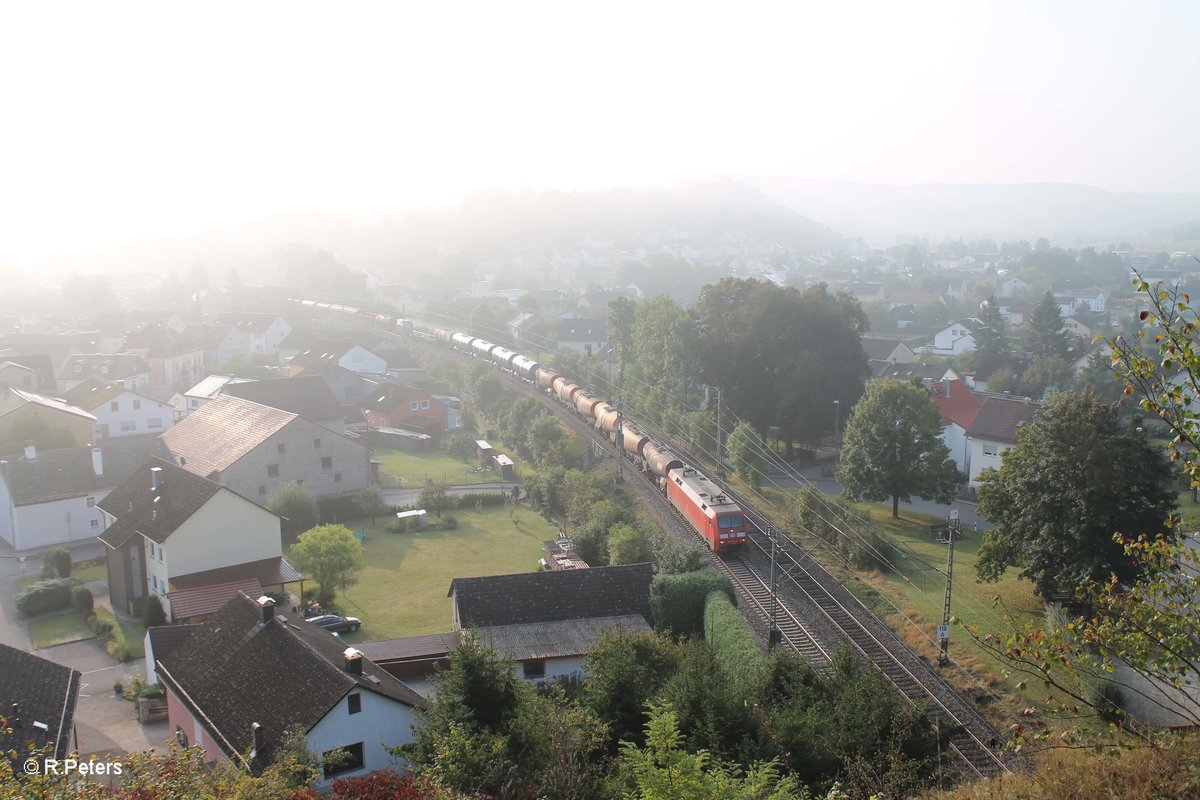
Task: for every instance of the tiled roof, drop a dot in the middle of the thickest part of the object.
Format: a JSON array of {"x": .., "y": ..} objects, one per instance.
[
  {"x": 59, "y": 474},
  {"x": 958, "y": 405},
  {"x": 237, "y": 670},
  {"x": 212, "y": 385},
  {"x": 397, "y": 358},
  {"x": 1000, "y": 418},
  {"x": 165, "y": 638},
  {"x": 309, "y": 397},
  {"x": 904, "y": 372},
  {"x": 247, "y": 320},
  {"x": 323, "y": 351},
  {"x": 42, "y": 364},
  {"x": 92, "y": 393},
  {"x": 154, "y": 514},
  {"x": 389, "y": 397},
  {"x": 50, "y": 402},
  {"x": 204, "y": 600},
  {"x": 551, "y": 596},
  {"x": 568, "y": 637},
  {"x": 219, "y": 433},
  {"x": 113, "y": 366},
  {"x": 879, "y": 349},
  {"x": 582, "y": 330},
  {"x": 43, "y": 694}
]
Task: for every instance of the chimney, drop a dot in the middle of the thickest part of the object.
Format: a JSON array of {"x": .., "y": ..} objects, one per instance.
[
  {"x": 30, "y": 450},
  {"x": 946, "y": 386},
  {"x": 156, "y": 479},
  {"x": 353, "y": 661},
  {"x": 256, "y": 731},
  {"x": 98, "y": 461},
  {"x": 266, "y": 607}
]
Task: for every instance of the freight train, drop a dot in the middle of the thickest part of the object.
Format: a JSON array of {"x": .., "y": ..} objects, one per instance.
[{"x": 716, "y": 518}]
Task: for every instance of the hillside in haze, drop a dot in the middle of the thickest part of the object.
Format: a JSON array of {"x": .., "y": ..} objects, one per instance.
[{"x": 1067, "y": 214}]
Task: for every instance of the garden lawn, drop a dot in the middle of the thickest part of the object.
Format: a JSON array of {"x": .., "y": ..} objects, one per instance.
[
  {"x": 402, "y": 589},
  {"x": 58, "y": 629},
  {"x": 414, "y": 469}
]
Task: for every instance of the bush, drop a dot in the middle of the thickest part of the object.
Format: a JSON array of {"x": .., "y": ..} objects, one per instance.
[
  {"x": 62, "y": 562},
  {"x": 297, "y": 507},
  {"x": 448, "y": 523},
  {"x": 730, "y": 637},
  {"x": 83, "y": 600},
  {"x": 477, "y": 499},
  {"x": 677, "y": 601},
  {"x": 152, "y": 612},
  {"x": 48, "y": 595}
]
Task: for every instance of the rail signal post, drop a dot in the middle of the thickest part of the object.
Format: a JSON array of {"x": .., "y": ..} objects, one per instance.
[{"x": 952, "y": 532}]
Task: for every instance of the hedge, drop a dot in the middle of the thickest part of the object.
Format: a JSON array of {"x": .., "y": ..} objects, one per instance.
[
  {"x": 677, "y": 601},
  {"x": 81, "y": 596},
  {"x": 730, "y": 637},
  {"x": 47, "y": 595}
]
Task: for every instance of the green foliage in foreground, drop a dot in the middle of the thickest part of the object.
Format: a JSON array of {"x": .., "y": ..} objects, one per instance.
[
  {"x": 730, "y": 637},
  {"x": 677, "y": 601}
]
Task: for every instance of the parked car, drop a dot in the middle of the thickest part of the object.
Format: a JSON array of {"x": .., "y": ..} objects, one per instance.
[{"x": 335, "y": 623}]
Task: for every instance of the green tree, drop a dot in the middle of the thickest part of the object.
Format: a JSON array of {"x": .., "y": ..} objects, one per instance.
[
  {"x": 663, "y": 770},
  {"x": 892, "y": 448},
  {"x": 677, "y": 601},
  {"x": 1046, "y": 373},
  {"x": 1046, "y": 335},
  {"x": 330, "y": 555},
  {"x": 992, "y": 346},
  {"x": 627, "y": 545},
  {"x": 626, "y": 671},
  {"x": 1077, "y": 475},
  {"x": 435, "y": 498},
  {"x": 61, "y": 557},
  {"x": 296, "y": 505},
  {"x": 746, "y": 451},
  {"x": 544, "y": 438}
]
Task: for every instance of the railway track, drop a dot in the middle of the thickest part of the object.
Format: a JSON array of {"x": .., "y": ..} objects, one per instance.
[{"x": 828, "y": 615}]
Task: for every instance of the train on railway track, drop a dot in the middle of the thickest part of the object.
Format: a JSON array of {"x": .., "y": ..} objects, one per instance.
[{"x": 715, "y": 517}]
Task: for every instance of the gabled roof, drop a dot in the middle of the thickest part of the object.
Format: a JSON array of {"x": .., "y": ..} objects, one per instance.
[
  {"x": 43, "y": 694},
  {"x": 390, "y": 396},
  {"x": 140, "y": 509},
  {"x": 52, "y": 403},
  {"x": 165, "y": 638},
  {"x": 159, "y": 341},
  {"x": 113, "y": 366},
  {"x": 563, "y": 638},
  {"x": 411, "y": 647},
  {"x": 203, "y": 600},
  {"x": 212, "y": 385},
  {"x": 236, "y": 670},
  {"x": 247, "y": 321},
  {"x": 881, "y": 349},
  {"x": 905, "y": 372},
  {"x": 582, "y": 330},
  {"x": 92, "y": 393},
  {"x": 308, "y": 396},
  {"x": 219, "y": 433},
  {"x": 999, "y": 419},
  {"x": 60, "y": 474},
  {"x": 40, "y": 363},
  {"x": 551, "y": 596},
  {"x": 956, "y": 402},
  {"x": 397, "y": 358},
  {"x": 325, "y": 351}
]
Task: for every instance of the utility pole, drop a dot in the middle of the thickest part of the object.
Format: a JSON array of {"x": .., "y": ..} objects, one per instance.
[
  {"x": 720, "y": 448},
  {"x": 620, "y": 426},
  {"x": 943, "y": 631},
  {"x": 773, "y": 635}
]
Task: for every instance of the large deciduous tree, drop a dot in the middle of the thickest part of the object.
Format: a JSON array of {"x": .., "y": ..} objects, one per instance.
[
  {"x": 747, "y": 453},
  {"x": 330, "y": 555},
  {"x": 892, "y": 448},
  {"x": 1077, "y": 475}
]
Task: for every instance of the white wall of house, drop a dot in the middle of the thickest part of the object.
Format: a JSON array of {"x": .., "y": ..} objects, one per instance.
[
  {"x": 73, "y": 519},
  {"x": 233, "y": 345},
  {"x": 227, "y": 530},
  {"x": 382, "y": 723},
  {"x": 984, "y": 453},
  {"x": 129, "y": 414},
  {"x": 564, "y": 667},
  {"x": 268, "y": 341},
  {"x": 955, "y": 438},
  {"x": 360, "y": 359},
  {"x": 953, "y": 340},
  {"x": 154, "y": 556},
  {"x": 593, "y": 347}
]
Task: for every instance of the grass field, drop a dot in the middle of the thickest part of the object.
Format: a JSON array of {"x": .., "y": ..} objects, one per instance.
[
  {"x": 414, "y": 468},
  {"x": 402, "y": 589},
  {"x": 58, "y": 629}
]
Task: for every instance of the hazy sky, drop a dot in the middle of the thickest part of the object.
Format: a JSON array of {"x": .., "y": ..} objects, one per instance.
[{"x": 124, "y": 120}]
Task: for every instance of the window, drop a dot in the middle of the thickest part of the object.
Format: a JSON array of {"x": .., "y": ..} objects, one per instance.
[
  {"x": 534, "y": 669},
  {"x": 354, "y": 701},
  {"x": 262, "y": 489},
  {"x": 114, "y": 406},
  {"x": 991, "y": 449},
  {"x": 317, "y": 443},
  {"x": 281, "y": 447},
  {"x": 337, "y": 477},
  {"x": 102, "y": 430},
  {"x": 151, "y": 549},
  {"x": 414, "y": 406},
  {"x": 161, "y": 552},
  {"x": 272, "y": 470},
  {"x": 137, "y": 404},
  {"x": 91, "y": 501},
  {"x": 326, "y": 462},
  {"x": 95, "y": 523},
  {"x": 424, "y": 404},
  {"x": 129, "y": 425},
  {"x": 154, "y": 582},
  {"x": 154, "y": 422},
  {"x": 181, "y": 737},
  {"x": 78, "y": 368},
  {"x": 342, "y": 759}
]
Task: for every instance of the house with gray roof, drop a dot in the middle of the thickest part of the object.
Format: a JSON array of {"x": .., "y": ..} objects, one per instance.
[
  {"x": 255, "y": 449},
  {"x": 127, "y": 369},
  {"x": 241, "y": 680},
  {"x": 994, "y": 430},
  {"x": 120, "y": 412},
  {"x": 167, "y": 529},
  {"x": 49, "y": 498},
  {"x": 546, "y": 622},
  {"x": 38, "y": 700},
  {"x": 306, "y": 396},
  {"x": 582, "y": 335}
]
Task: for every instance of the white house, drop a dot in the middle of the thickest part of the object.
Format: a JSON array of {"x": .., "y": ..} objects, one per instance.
[
  {"x": 546, "y": 622},
  {"x": 994, "y": 430},
  {"x": 208, "y": 388},
  {"x": 347, "y": 355},
  {"x": 50, "y": 498},
  {"x": 958, "y": 406},
  {"x": 956, "y": 338},
  {"x": 239, "y": 681},
  {"x": 120, "y": 411},
  {"x": 263, "y": 332}
]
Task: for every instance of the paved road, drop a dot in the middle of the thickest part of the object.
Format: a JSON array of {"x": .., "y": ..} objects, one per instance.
[{"x": 408, "y": 497}]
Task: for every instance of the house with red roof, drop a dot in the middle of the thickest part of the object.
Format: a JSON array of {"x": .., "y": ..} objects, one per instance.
[
  {"x": 994, "y": 430},
  {"x": 958, "y": 406}
]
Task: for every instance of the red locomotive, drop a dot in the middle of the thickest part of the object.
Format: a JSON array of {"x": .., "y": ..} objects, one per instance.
[{"x": 718, "y": 520}]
